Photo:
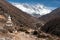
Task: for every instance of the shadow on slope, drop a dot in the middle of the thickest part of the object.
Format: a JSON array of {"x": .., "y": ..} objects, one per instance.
[{"x": 52, "y": 27}]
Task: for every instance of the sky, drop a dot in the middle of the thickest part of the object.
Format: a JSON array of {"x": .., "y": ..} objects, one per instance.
[
  {"x": 46, "y": 5},
  {"x": 49, "y": 3}
]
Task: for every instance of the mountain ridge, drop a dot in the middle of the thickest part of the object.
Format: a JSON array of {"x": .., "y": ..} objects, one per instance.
[{"x": 31, "y": 9}]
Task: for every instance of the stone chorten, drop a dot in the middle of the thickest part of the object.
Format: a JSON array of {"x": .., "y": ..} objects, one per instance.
[
  {"x": 9, "y": 24},
  {"x": 9, "y": 21}
]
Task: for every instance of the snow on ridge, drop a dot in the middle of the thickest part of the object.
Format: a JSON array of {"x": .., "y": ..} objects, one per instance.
[{"x": 31, "y": 9}]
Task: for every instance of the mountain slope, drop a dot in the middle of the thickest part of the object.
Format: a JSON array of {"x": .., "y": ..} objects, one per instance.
[
  {"x": 52, "y": 27},
  {"x": 17, "y": 15},
  {"x": 51, "y": 22},
  {"x": 54, "y": 14}
]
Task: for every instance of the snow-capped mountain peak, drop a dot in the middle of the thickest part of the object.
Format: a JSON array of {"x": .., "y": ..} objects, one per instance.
[{"x": 33, "y": 9}]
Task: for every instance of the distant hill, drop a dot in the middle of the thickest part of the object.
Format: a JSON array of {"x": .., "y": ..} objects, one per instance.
[{"x": 54, "y": 14}]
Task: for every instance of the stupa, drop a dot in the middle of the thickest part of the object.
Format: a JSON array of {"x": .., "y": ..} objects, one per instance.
[{"x": 9, "y": 22}]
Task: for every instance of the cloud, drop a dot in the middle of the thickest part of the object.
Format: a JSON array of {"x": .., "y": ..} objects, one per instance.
[{"x": 36, "y": 8}]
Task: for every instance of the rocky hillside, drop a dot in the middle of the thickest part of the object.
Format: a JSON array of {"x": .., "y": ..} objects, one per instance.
[
  {"x": 51, "y": 22},
  {"x": 18, "y": 25},
  {"x": 17, "y": 15},
  {"x": 14, "y": 20},
  {"x": 52, "y": 27}
]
